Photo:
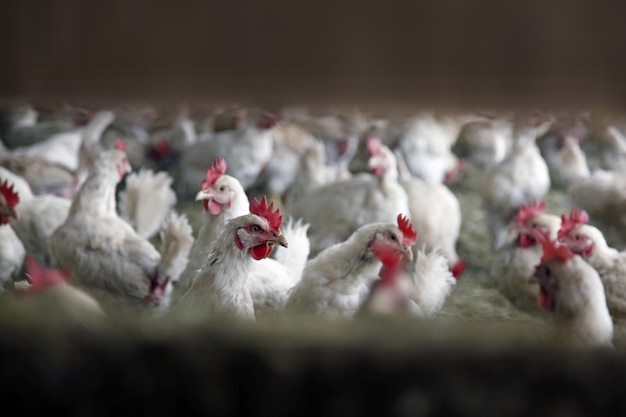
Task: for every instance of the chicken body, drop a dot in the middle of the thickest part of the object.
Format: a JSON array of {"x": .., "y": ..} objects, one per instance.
[
  {"x": 520, "y": 178},
  {"x": 337, "y": 281},
  {"x": 106, "y": 256},
  {"x": 572, "y": 290},
  {"x": 514, "y": 263},
  {"x": 336, "y": 210},
  {"x": 589, "y": 242}
]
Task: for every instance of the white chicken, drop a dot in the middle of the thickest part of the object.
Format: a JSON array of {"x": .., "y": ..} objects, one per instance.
[
  {"x": 40, "y": 215},
  {"x": 106, "y": 256},
  {"x": 439, "y": 221},
  {"x": 336, "y": 283},
  {"x": 427, "y": 146},
  {"x": 484, "y": 143},
  {"x": 520, "y": 178},
  {"x": 572, "y": 290},
  {"x": 336, "y": 210},
  {"x": 12, "y": 250},
  {"x": 23, "y": 126},
  {"x": 603, "y": 196},
  {"x": 588, "y": 242},
  {"x": 248, "y": 149},
  {"x": 514, "y": 263},
  {"x": 223, "y": 198},
  {"x": 313, "y": 172},
  {"x": 220, "y": 287}
]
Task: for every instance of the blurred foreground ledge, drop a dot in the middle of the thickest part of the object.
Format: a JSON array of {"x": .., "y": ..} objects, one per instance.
[
  {"x": 390, "y": 368},
  {"x": 485, "y": 53}
]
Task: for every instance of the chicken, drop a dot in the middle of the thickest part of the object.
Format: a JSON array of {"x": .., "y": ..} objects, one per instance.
[
  {"x": 90, "y": 143},
  {"x": 58, "y": 292},
  {"x": 165, "y": 145},
  {"x": 223, "y": 198},
  {"x": 336, "y": 210},
  {"x": 439, "y": 221},
  {"x": 572, "y": 290},
  {"x": 141, "y": 186},
  {"x": 588, "y": 242},
  {"x": 106, "y": 256},
  {"x": 22, "y": 126},
  {"x": 12, "y": 250},
  {"x": 514, "y": 263},
  {"x": 40, "y": 215},
  {"x": 313, "y": 172},
  {"x": 603, "y": 196},
  {"x": 220, "y": 287},
  {"x": 270, "y": 279},
  {"x": 247, "y": 148},
  {"x": 43, "y": 177},
  {"x": 520, "y": 178},
  {"x": 426, "y": 146},
  {"x": 563, "y": 153},
  {"x": 336, "y": 283},
  {"x": 484, "y": 143}
]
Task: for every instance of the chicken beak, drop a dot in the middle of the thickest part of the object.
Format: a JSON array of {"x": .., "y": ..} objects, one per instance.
[
  {"x": 408, "y": 253},
  {"x": 280, "y": 240},
  {"x": 9, "y": 212},
  {"x": 204, "y": 194}
]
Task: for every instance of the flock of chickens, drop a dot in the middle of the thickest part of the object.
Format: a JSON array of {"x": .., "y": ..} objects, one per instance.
[{"x": 341, "y": 215}]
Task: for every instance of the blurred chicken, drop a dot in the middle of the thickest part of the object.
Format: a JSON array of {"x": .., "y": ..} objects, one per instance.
[
  {"x": 520, "y": 178},
  {"x": 166, "y": 143},
  {"x": 514, "y": 263},
  {"x": 91, "y": 143},
  {"x": 336, "y": 283},
  {"x": 427, "y": 145},
  {"x": 484, "y": 143},
  {"x": 40, "y": 215},
  {"x": 12, "y": 250},
  {"x": 248, "y": 148},
  {"x": 22, "y": 125},
  {"x": 142, "y": 186},
  {"x": 588, "y": 242},
  {"x": 572, "y": 290},
  {"x": 220, "y": 288},
  {"x": 106, "y": 256},
  {"x": 270, "y": 279},
  {"x": 439, "y": 221},
  {"x": 338, "y": 209},
  {"x": 313, "y": 172},
  {"x": 562, "y": 150},
  {"x": 47, "y": 291},
  {"x": 603, "y": 196}
]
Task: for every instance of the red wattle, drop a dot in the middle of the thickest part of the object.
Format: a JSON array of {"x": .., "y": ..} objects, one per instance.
[
  {"x": 214, "y": 207},
  {"x": 261, "y": 251}
]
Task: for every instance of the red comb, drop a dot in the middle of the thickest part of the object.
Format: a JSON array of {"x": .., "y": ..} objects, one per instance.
[
  {"x": 120, "y": 145},
  {"x": 10, "y": 196},
  {"x": 274, "y": 218},
  {"x": 551, "y": 249},
  {"x": 214, "y": 172},
  {"x": 373, "y": 146},
  {"x": 576, "y": 218},
  {"x": 530, "y": 210},
  {"x": 409, "y": 235}
]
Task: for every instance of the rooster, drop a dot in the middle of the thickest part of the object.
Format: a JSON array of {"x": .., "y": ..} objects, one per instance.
[
  {"x": 220, "y": 287},
  {"x": 223, "y": 199},
  {"x": 439, "y": 222},
  {"x": 12, "y": 250},
  {"x": 513, "y": 264},
  {"x": 520, "y": 178},
  {"x": 336, "y": 210},
  {"x": 336, "y": 283},
  {"x": 105, "y": 255},
  {"x": 589, "y": 242},
  {"x": 40, "y": 215},
  {"x": 572, "y": 290}
]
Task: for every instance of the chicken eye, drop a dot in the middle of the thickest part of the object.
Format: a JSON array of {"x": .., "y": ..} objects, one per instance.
[
  {"x": 255, "y": 229},
  {"x": 222, "y": 188},
  {"x": 392, "y": 237},
  {"x": 577, "y": 237}
]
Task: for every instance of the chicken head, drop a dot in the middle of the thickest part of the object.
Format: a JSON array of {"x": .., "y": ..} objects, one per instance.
[
  {"x": 8, "y": 200},
  {"x": 260, "y": 231}
]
